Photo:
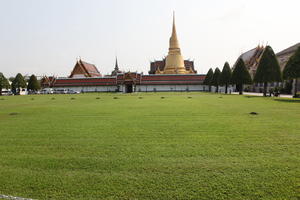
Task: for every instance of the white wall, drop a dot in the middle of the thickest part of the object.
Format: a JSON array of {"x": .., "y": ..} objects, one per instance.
[
  {"x": 230, "y": 89},
  {"x": 91, "y": 88},
  {"x": 145, "y": 88},
  {"x": 170, "y": 88}
]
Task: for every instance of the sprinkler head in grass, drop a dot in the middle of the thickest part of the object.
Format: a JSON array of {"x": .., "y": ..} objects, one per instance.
[
  {"x": 190, "y": 97},
  {"x": 97, "y": 97},
  {"x": 253, "y": 113},
  {"x": 162, "y": 97}
]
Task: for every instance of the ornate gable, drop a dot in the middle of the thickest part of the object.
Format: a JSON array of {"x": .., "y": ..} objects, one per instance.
[{"x": 83, "y": 69}]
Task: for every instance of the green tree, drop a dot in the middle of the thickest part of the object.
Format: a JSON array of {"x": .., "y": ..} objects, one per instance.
[
  {"x": 268, "y": 69},
  {"x": 208, "y": 78},
  {"x": 240, "y": 75},
  {"x": 11, "y": 79},
  {"x": 18, "y": 83},
  {"x": 225, "y": 78},
  {"x": 33, "y": 84},
  {"x": 216, "y": 79},
  {"x": 4, "y": 84},
  {"x": 292, "y": 69}
]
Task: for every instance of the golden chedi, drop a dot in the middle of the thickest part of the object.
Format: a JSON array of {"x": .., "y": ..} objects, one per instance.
[{"x": 174, "y": 61}]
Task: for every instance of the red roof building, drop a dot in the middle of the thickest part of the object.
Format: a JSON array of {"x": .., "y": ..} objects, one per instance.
[
  {"x": 83, "y": 69},
  {"x": 130, "y": 82}
]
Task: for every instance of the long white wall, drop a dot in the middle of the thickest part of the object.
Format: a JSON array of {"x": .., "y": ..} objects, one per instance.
[
  {"x": 170, "y": 88},
  {"x": 148, "y": 88},
  {"x": 91, "y": 88}
]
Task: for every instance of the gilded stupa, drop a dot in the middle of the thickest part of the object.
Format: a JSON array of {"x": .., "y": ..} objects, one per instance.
[{"x": 174, "y": 61}]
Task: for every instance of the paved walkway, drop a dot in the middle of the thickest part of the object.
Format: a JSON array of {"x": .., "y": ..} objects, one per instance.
[
  {"x": 12, "y": 198},
  {"x": 261, "y": 94}
]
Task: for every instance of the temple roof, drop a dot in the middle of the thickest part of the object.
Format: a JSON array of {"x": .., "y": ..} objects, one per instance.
[
  {"x": 85, "y": 69},
  {"x": 289, "y": 50},
  {"x": 252, "y": 57}
]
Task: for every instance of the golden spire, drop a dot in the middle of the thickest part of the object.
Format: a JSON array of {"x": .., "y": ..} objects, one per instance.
[
  {"x": 174, "y": 61},
  {"x": 174, "y": 44}
]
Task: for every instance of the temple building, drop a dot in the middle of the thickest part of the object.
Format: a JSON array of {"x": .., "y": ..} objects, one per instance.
[
  {"x": 174, "y": 63},
  {"x": 171, "y": 74},
  {"x": 159, "y": 65},
  {"x": 83, "y": 70},
  {"x": 251, "y": 59},
  {"x": 284, "y": 55}
]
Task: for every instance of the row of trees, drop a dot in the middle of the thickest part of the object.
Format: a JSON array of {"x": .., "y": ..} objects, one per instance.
[
  {"x": 19, "y": 82},
  {"x": 268, "y": 71}
]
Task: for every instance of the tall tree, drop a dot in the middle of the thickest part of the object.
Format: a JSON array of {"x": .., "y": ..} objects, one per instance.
[
  {"x": 226, "y": 76},
  {"x": 208, "y": 78},
  {"x": 18, "y": 83},
  {"x": 33, "y": 83},
  {"x": 268, "y": 69},
  {"x": 292, "y": 69},
  {"x": 4, "y": 84},
  {"x": 240, "y": 75},
  {"x": 216, "y": 79}
]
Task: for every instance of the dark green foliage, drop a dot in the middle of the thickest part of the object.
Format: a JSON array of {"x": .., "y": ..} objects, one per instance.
[
  {"x": 292, "y": 69},
  {"x": 268, "y": 69},
  {"x": 4, "y": 84},
  {"x": 240, "y": 75},
  {"x": 208, "y": 78},
  {"x": 287, "y": 88},
  {"x": 18, "y": 82},
  {"x": 11, "y": 79},
  {"x": 216, "y": 79},
  {"x": 225, "y": 78},
  {"x": 33, "y": 84}
]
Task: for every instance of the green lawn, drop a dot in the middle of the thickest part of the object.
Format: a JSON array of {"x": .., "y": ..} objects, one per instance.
[{"x": 142, "y": 146}]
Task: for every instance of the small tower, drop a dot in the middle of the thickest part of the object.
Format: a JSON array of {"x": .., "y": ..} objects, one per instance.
[
  {"x": 116, "y": 70},
  {"x": 116, "y": 65}
]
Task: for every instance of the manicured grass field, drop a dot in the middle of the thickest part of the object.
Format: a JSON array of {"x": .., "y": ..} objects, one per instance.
[{"x": 142, "y": 146}]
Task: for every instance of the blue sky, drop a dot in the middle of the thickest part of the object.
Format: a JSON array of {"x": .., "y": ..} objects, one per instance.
[{"x": 45, "y": 37}]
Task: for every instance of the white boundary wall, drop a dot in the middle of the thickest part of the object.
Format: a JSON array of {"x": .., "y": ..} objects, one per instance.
[
  {"x": 149, "y": 88},
  {"x": 170, "y": 88},
  {"x": 90, "y": 88},
  {"x": 139, "y": 88}
]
